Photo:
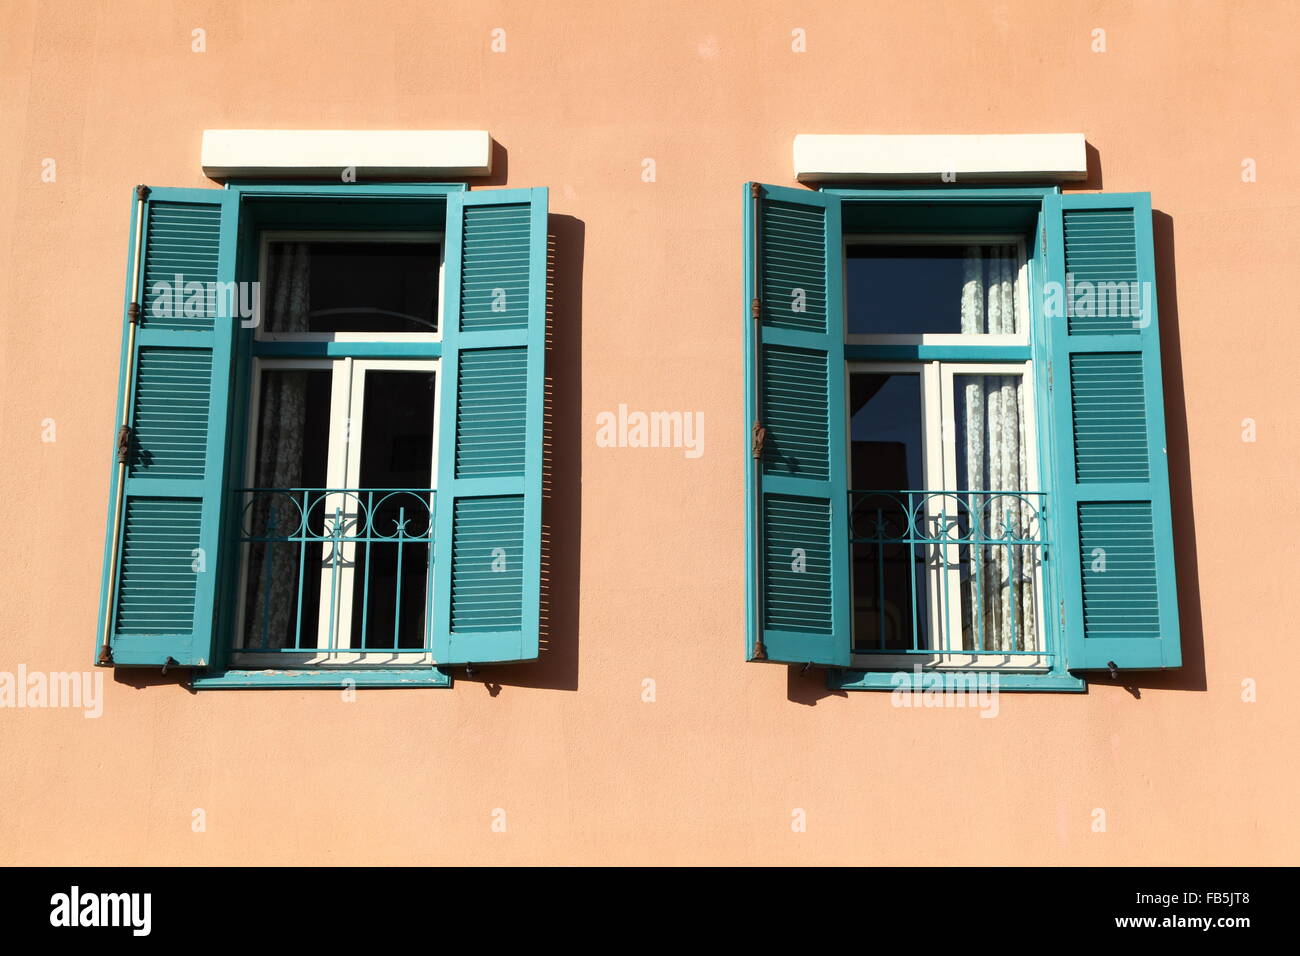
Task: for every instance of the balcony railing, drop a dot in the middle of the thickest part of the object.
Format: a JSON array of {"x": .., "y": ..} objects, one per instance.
[
  {"x": 949, "y": 573},
  {"x": 328, "y": 570}
]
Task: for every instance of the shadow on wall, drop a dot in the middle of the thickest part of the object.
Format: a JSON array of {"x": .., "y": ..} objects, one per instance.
[{"x": 810, "y": 687}]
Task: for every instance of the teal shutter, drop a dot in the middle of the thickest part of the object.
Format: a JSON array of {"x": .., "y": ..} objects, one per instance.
[
  {"x": 1119, "y": 600},
  {"x": 487, "y": 575},
  {"x": 165, "y": 494},
  {"x": 796, "y": 495}
]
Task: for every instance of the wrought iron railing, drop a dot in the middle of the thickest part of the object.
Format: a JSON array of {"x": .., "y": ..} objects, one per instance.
[
  {"x": 949, "y": 572},
  {"x": 336, "y": 570}
]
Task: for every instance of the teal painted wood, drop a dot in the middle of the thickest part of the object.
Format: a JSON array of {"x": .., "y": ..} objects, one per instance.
[
  {"x": 797, "y": 573},
  {"x": 1117, "y": 590},
  {"x": 426, "y": 350},
  {"x": 937, "y": 353},
  {"x": 271, "y": 679},
  {"x": 942, "y": 194},
  {"x": 487, "y": 578},
  {"x": 1056, "y": 681},
  {"x": 168, "y": 548}
]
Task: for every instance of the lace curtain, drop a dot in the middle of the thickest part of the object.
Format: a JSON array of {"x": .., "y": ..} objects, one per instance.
[
  {"x": 282, "y": 418},
  {"x": 997, "y": 585}
]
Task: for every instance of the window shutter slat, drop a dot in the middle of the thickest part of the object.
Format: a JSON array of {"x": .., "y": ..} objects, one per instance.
[
  {"x": 487, "y": 574},
  {"x": 165, "y": 492},
  {"x": 796, "y": 490},
  {"x": 1115, "y": 560}
]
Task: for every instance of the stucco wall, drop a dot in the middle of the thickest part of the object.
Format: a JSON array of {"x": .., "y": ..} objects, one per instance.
[{"x": 647, "y": 571}]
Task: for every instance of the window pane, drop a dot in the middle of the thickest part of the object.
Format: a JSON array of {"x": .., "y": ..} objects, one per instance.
[
  {"x": 890, "y": 589},
  {"x": 916, "y": 288},
  {"x": 351, "y": 286},
  {"x": 396, "y": 452},
  {"x": 997, "y": 571},
  {"x": 292, "y": 448}
]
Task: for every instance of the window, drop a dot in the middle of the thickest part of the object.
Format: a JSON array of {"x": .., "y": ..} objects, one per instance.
[
  {"x": 329, "y": 461},
  {"x": 957, "y": 455}
]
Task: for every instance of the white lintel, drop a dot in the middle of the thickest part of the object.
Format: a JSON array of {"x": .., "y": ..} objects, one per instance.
[
  {"x": 422, "y": 153},
  {"x": 1051, "y": 157}
]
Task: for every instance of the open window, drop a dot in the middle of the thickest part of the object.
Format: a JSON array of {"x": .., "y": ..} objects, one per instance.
[{"x": 956, "y": 435}]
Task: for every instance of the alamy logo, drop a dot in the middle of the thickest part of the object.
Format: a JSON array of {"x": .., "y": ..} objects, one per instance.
[
  {"x": 626, "y": 429},
  {"x": 75, "y": 908},
  {"x": 81, "y": 690},
  {"x": 193, "y": 300},
  {"x": 1100, "y": 300}
]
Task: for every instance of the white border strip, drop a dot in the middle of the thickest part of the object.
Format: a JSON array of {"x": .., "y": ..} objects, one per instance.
[
  {"x": 1055, "y": 157},
  {"x": 315, "y": 152}
]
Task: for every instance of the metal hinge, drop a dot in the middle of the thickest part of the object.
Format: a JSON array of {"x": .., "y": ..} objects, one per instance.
[
  {"x": 133, "y": 313},
  {"x": 123, "y": 444},
  {"x": 755, "y": 308},
  {"x": 142, "y": 193},
  {"x": 758, "y": 436},
  {"x": 755, "y": 191}
]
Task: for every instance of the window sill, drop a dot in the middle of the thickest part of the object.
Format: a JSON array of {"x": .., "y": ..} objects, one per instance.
[
  {"x": 327, "y": 679},
  {"x": 891, "y": 680}
]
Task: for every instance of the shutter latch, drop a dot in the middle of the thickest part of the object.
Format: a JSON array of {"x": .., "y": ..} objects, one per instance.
[
  {"x": 105, "y": 658},
  {"x": 759, "y": 438},
  {"x": 123, "y": 444},
  {"x": 1114, "y": 670},
  {"x": 170, "y": 662}
]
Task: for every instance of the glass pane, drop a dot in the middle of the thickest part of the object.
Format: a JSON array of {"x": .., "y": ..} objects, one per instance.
[
  {"x": 396, "y": 452},
  {"x": 351, "y": 286},
  {"x": 997, "y": 567},
  {"x": 916, "y": 288},
  {"x": 292, "y": 449},
  {"x": 886, "y": 463}
]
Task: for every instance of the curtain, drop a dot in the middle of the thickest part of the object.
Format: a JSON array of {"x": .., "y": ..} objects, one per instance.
[
  {"x": 997, "y": 586},
  {"x": 282, "y": 418}
]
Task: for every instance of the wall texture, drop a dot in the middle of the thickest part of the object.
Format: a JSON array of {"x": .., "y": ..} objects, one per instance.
[{"x": 647, "y": 573}]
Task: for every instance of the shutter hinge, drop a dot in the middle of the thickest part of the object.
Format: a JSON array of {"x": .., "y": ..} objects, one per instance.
[
  {"x": 760, "y": 649},
  {"x": 123, "y": 444},
  {"x": 758, "y": 437},
  {"x": 142, "y": 193},
  {"x": 755, "y": 308},
  {"x": 105, "y": 658},
  {"x": 755, "y": 191},
  {"x": 133, "y": 313}
]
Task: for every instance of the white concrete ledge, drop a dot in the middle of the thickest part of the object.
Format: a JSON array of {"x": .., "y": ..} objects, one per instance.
[
  {"x": 424, "y": 153},
  {"x": 1052, "y": 157}
]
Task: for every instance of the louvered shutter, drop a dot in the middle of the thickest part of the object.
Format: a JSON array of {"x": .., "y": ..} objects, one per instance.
[
  {"x": 488, "y": 507},
  {"x": 1119, "y": 601},
  {"x": 165, "y": 495},
  {"x": 796, "y": 490}
]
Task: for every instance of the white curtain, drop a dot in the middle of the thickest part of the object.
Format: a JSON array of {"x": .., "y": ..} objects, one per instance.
[
  {"x": 282, "y": 418},
  {"x": 997, "y": 589}
]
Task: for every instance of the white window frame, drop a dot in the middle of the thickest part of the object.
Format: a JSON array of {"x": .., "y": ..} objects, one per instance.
[
  {"x": 939, "y": 470},
  {"x": 337, "y": 235},
  {"x": 343, "y": 468},
  {"x": 942, "y": 338}
]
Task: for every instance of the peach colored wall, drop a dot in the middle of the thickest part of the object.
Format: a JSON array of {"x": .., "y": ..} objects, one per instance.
[{"x": 649, "y": 543}]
